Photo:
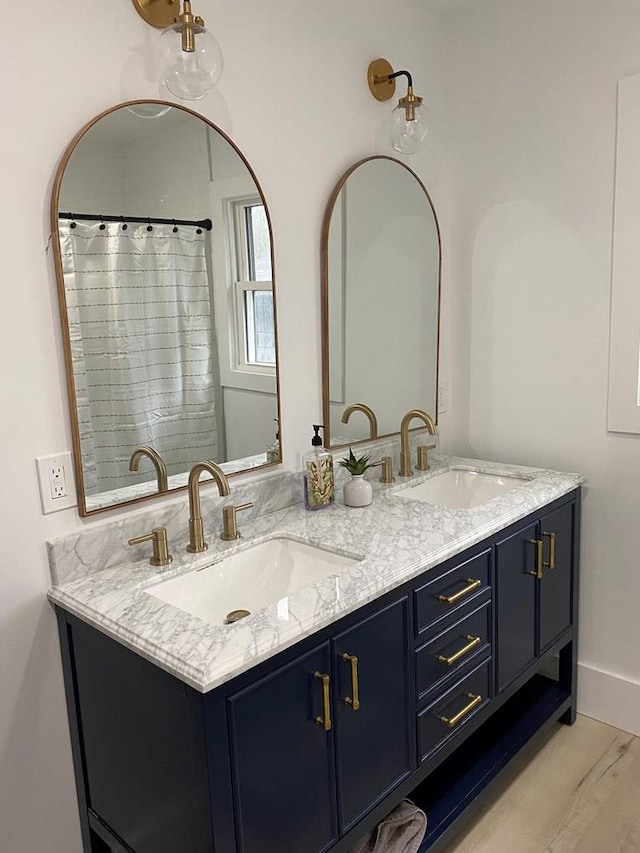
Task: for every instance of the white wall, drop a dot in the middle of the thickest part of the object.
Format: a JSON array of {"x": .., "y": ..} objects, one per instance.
[
  {"x": 100, "y": 166},
  {"x": 167, "y": 170},
  {"x": 300, "y": 127},
  {"x": 249, "y": 421},
  {"x": 533, "y": 123}
]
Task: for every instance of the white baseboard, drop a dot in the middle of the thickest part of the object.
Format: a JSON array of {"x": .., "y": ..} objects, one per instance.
[{"x": 609, "y": 698}]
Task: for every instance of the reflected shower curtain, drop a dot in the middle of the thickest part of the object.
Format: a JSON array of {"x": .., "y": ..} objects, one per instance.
[{"x": 142, "y": 339}]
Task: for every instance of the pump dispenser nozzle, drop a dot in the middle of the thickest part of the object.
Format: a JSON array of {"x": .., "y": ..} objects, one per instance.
[{"x": 318, "y": 473}]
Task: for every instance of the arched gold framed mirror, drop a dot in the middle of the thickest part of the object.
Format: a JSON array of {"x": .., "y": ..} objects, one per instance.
[
  {"x": 164, "y": 261},
  {"x": 381, "y": 258}
]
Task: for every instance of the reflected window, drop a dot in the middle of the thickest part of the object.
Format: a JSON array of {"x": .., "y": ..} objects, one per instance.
[
  {"x": 256, "y": 228},
  {"x": 255, "y": 323}
]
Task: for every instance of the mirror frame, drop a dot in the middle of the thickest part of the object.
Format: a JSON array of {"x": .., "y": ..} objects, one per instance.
[
  {"x": 64, "y": 319},
  {"x": 324, "y": 284}
]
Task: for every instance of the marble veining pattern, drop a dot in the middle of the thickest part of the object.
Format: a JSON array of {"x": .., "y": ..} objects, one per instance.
[
  {"x": 398, "y": 537},
  {"x": 94, "y": 550}
]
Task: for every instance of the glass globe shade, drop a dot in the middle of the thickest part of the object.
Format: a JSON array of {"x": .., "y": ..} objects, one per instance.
[
  {"x": 189, "y": 75},
  {"x": 407, "y": 136},
  {"x": 149, "y": 110}
]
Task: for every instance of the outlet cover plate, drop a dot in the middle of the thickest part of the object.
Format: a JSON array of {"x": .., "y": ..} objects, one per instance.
[{"x": 56, "y": 482}]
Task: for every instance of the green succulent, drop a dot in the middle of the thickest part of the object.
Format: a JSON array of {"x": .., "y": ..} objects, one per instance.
[{"x": 355, "y": 465}]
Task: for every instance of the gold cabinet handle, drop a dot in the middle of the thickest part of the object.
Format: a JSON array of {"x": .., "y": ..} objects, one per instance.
[
  {"x": 473, "y": 642},
  {"x": 354, "y": 699},
  {"x": 451, "y": 599},
  {"x": 552, "y": 551},
  {"x": 539, "y": 548},
  {"x": 325, "y": 720},
  {"x": 453, "y": 721}
]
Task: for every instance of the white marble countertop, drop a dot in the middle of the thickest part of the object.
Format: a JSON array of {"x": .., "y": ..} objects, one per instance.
[{"x": 398, "y": 538}]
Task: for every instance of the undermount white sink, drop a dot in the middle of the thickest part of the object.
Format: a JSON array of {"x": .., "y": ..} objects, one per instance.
[
  {"x": 460, "y": 488},
  {"x": 251, "y": 579}
]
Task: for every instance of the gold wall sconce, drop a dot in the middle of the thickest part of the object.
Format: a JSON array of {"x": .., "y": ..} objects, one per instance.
[
  {"x": 409, "y": 122},
  {"x": 190, "y": 58}
]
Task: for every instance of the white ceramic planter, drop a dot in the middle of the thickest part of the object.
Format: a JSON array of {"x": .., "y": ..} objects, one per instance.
[{"x": 357, "y": 491}]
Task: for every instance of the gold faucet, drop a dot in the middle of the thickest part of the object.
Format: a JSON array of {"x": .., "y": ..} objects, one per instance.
[
  {"x": 423, "y": 456},
  {"x": 196, "y": 528},
  {"x": 387, "y": 471},
  {"x": 161, "y": 555},
  {"x": 361, "y": 407},
  {"x": 158, "y": 464},
  {"x": 229, "y": 522},
  {"x": 405, "y": 456}
]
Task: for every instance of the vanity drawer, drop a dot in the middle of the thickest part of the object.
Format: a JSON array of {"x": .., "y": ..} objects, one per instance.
[
  {"x": 441, "y": 720},
  {"x": 454, "y": 650},
  {"x": 452, "y": 593}
]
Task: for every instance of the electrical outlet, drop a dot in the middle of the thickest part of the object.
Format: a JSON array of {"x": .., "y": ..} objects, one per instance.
[
  {"x": 57, "y": 482},
  {"x": 443, "y": 398},
  {"x": 55, "y": 478}
]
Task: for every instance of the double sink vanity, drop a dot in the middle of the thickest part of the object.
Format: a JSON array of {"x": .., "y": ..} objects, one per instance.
[
  {"x": 409, "y": 648},
  {"x": 284, "y": 691}
]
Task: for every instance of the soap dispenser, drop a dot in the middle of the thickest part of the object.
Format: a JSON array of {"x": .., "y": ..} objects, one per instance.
[{"x": 318, "y": 474}]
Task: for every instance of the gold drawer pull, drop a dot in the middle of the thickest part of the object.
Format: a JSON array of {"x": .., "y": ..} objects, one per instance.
[
  {"x": 473, "y": 642},
  {"x": 552, "y": 551},
  {"x": 324, "y": 721},
  {"x": 539, "y": 549},
  {"x": 453, "y": 721},
  {"x": 451, "y": 599},
  {"x": 353, "y": 700}
]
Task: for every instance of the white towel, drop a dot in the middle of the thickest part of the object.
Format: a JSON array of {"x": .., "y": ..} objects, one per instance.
[{"x": 402, "y": 831}]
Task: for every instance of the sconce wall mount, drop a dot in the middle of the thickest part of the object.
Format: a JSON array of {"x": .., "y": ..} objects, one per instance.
[
  {"x": 408, "y": 123},
  {"x": 382, "y": 84},
  {"x": 158, "y": 13}
]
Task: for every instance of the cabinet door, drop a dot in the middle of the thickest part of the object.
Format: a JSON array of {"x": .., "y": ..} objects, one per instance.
[
  {"x": 373, "y": 747},
  {"x": 516, "y": 603},
  {"x": 556, "y": 532},
  {"x": 282, "y": 761}
]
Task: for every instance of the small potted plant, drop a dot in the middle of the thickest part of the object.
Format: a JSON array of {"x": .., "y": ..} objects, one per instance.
[{"x": 357, "y": 491}]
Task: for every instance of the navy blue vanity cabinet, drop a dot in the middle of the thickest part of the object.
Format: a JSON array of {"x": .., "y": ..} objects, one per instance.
[
  {"x": 556, "y": 587},
  {"x": 453, "y": 658},
  {"x": 427, "y": 692},
  {"x": 446, "y": 656},
  {"x": 535, "y": 604},
  {"x": 373, "y": 727},
  {"x": 449, "y": 592},
  {"x": 534, "y": 589},
  {"x": 516, "y": 603},
  {"x": 139, "y": 749},
  {"x": 282, "y": 759},
  {"x": 336, "y": 718}
]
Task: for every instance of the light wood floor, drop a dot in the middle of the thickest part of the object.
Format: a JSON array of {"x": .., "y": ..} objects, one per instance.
[{"x": 579, "y": 794}]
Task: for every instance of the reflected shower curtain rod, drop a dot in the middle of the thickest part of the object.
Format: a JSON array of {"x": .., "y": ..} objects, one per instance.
[{"x": 207, "y": 224}]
